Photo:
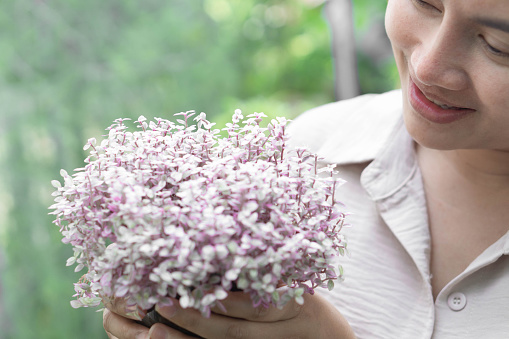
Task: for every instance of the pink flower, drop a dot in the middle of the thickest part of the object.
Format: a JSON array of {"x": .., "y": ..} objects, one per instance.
[{"x": 192, "y": 214}]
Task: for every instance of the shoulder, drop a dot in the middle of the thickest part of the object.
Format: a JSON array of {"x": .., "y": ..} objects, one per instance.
[{"x": 348, "y": 131}]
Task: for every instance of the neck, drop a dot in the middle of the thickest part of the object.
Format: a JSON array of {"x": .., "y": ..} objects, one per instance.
[
  {"x": 468, "y": 185},
  {"x": 467, "y": 194},
  {"x": 484, "y": 168}
]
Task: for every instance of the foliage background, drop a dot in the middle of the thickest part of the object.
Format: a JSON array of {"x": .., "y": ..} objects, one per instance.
[{"x": 70, "y": 67}]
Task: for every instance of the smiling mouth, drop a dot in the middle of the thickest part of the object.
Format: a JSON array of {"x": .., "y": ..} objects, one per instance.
[
  {"x": 433, "y": 109},
  {"x": 439, "y": 102},
  {"x": 444, "y": 106}
]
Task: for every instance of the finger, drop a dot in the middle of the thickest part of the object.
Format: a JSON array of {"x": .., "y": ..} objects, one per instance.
[
  {"x": 239, "y": 305},
  {"x": 122, "y": 328},
  {"x": 160, "y": 331},
  {"x": 111, "y": 336},
  {"x": 120, "y": 307},
  {"x": 219, "y": 326}
]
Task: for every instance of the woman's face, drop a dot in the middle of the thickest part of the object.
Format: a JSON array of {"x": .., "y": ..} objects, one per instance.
[{"x": 453, "y": 60}]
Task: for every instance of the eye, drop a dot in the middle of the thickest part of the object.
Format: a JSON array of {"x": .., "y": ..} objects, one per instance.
[
  {"x": 422, "y": 3},
  {"x": 493, "y": 50},
  {"x": 425, "y": 5}
]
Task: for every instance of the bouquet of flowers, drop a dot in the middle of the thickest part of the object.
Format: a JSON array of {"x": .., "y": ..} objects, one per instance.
[{"x": 175, "y": 210}]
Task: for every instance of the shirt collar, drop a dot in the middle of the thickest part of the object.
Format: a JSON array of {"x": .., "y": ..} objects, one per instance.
[
  {"x": 359, "y": 136},
  {"x": 393, "y": 166},
  {"x": 394, "y": 183}
]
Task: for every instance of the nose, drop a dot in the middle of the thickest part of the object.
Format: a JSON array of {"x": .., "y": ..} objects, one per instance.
[{"x": 440, "y": 59}]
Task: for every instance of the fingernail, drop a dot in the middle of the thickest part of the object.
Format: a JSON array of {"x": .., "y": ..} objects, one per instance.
[
  {"x": 157, "y": 332},
  {"x": 167, "y": 311}
]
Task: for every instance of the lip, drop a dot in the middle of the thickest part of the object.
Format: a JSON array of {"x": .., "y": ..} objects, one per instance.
[{"x": 431, "y": 111}]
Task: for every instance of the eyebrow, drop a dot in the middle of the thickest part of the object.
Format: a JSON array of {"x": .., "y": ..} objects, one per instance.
[{"x": 497, "y": 24}]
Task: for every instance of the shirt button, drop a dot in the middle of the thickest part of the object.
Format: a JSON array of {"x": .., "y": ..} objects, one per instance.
[{"x": 457, "y": 301}]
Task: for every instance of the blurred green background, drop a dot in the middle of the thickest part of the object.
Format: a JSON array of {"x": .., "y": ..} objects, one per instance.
[{"x": 70, "y": 67}]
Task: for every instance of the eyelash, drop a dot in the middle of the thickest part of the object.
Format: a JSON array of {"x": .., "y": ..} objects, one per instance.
[
  {"x": 493, "y": 50},
  {"x": 424, "y": 4}
]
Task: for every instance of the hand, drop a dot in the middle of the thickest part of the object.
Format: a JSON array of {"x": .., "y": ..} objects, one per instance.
[
  {"x": 119, "y": 321},
  {"x": 316, "y": 318}
]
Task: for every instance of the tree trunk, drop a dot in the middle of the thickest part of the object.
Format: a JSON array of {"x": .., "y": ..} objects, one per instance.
[{"x": 340, "y": 17}]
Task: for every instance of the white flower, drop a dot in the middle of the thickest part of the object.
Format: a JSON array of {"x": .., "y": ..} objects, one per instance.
[{"x": 192, "y": 214}]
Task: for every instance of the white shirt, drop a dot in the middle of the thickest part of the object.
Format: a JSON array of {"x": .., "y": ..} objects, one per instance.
[{"x": 387, "y": 291}]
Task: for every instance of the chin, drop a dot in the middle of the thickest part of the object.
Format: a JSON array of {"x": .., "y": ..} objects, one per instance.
[{"x": 430, "y": 135}]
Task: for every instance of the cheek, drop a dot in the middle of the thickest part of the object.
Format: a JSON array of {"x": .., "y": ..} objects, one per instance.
[
  {"x": 390, "y": 19},
  {"x": 492, "y": 90},
  {"x": 397, "y": 29},
  {"x": 490, "y": 84},
  {"x": 401, "y": 25}
]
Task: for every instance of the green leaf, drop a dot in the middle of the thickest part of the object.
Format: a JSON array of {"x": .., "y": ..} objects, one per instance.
[
  {"x": 330, "y": 285},
  {"x": 275, "y": 296}
]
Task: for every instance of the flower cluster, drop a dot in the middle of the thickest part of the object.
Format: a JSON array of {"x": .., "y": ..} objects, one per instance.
[{"x": 176, "y": 210}]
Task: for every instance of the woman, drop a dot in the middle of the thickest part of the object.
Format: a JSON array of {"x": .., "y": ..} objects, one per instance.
[{"x": 428, "y": 183}]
